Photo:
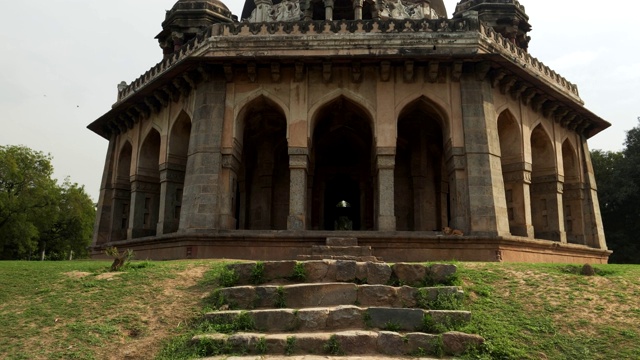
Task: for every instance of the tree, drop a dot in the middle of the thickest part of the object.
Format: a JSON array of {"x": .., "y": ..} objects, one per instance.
[
  {"x": 618, "y": 178},
  {"x": 35, "y": 213}
]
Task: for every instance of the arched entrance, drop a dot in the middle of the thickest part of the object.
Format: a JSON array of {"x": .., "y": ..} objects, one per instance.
[
  {"x": 122, "y": 194},
  {"x": 544, "y": 187},
  {"x": 572, "y": 196},
  {"x": 145, "y": 197},
  {"x": 262, "y": 193},
  {"x": 421, "y": 185},
  {"x": 342, "y": 177}
]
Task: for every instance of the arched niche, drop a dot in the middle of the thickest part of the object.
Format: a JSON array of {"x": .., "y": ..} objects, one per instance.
[
  {"x": 122, "y": 194},
  {"x": 262, "y": 191},
  {"x": 341, "y": 168},
  {"x": 146, "y": 187},
  {"x": 173, "y": 174},
  {"x": 420, "y": 181},
  {"x": 513, "y": 172},
  {"x": 544, "y": 186},
  {"x": 573, "y": 195}
]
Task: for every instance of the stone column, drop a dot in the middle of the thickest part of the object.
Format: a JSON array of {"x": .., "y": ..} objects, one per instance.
[
  {"x": 262, "y": 10},
  {"x": 228, "y": 190},
  {"x": 357, "y": 8},
  {"x": 171, "y": 184},
  {"x": 103, "y": 222},
  {"x": 328, "y": 10},
  {"x": 591, "y": 206},
  {"x": 546, "y": 206},
  {"x": 145, "y": 202},
  {"x": 517, "y": 179},
  {"x": 385, "y": 165},
  {"x": 487, "y": 205},
  {"x": 298, "y": 173},
  {"x": 201, "y": 203},
  {"x": 456, "y": 167},
  {"x": 573, "y": 200}
]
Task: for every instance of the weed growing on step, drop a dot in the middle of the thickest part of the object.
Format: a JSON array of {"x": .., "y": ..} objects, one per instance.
[
  {"x": 392, "y": 326},
  {"x": 289, "y": 347},
  {"x": 430, "y": 326},
  {"x": 227, "y": 277},
  {"x": 332, "y": 346},
  {"x": 257, "y": 275},
  {"x": 216, "y": 300},
  {"x": 280, "y": 298},
  {"x": 261, "y": 346},
  {"x": 366, "y": 318},
  {"x": 299, "y": 273},
  {"x": 443, "y": 301},
  {"x": 241, "y": 322}
]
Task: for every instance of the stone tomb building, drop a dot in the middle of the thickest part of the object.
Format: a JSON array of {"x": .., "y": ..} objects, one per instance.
[{"x": 380, "y": 120}]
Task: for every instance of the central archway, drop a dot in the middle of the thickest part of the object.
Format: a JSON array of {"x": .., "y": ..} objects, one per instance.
[{"x": 342, "y": 178}]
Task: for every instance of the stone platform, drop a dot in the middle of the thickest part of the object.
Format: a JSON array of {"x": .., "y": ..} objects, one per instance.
[{"x": 390, "y": 246}]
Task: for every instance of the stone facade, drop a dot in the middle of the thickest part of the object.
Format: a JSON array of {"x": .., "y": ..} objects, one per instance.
[{"x": 260, "y": 138}]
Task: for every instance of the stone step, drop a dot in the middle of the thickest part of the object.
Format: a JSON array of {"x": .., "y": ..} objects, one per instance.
[
  {"x": 343, "y": 270},
  {"x": 341, "y": 250},
  {"x": 351, "y": 342},
  {"x": 333, "y": 294},
  {"x": 341, "y": 257},
  {"x": 344, "y": 317},
  {"x": 313, "y": 357},
  {"x": 341, "y": 241}
]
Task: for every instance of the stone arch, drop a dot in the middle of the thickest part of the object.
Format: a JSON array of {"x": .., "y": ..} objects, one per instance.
[
  {"x": 258, "y": 97},
  {"x": 122, "y": 193},
  {"x": 437, "y": 106},
  {"x": 545, "y": 187},
  {"x": 364, "y": 106},
  {"x": 421, "y": 186},
  {"x": 341, "y": 170},
  {"x": 514, "y": 172},
  {"x": 145, "y": 195},
  {"x": 172, "y": 174},
  {"x": 573, "y": 195},
  {"x": 262, "y": 193}
]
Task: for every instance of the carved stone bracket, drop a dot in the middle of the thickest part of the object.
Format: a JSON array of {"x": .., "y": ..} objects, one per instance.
[
  {"x": 299, "y": 71},
  {"x": 356, "y": 72},
  {"x": 408, "y": 71},
  {"x": 456, "y": 71},
  {"x": 230, "y": 161},
  {"x": 507, "y": 84},
  {"x": 326, "y": 71},
  {"x": 497, "y": 76},
  {"x": 251, "y": 72},
  {"x": 482, "y": 70},
  {"x": 433, "y": 71},
  {"x": 228, "y": 72},
  {"x": 275, "y": 72}
]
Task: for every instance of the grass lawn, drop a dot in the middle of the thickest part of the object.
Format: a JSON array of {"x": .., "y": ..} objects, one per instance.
[{"x": 77, "y": 310}]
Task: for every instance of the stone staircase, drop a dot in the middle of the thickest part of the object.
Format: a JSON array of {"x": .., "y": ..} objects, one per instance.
[
  {"x": 338, "y": 248},
  {"x": 340, "y": 307}
]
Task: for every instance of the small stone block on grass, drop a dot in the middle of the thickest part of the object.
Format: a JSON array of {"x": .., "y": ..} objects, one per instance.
[
  {"x": 410, "y": 274},
  {"x": 278, "y": 269},
  {"x": 457, "y": 343}
]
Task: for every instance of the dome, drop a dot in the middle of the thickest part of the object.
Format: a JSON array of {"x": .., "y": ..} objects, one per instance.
[
  {"x": 436, "y": 5},
  {"x": 188, "y": 18}
]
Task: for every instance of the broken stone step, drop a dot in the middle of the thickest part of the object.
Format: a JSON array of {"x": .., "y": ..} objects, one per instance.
[
  {"x": 312, "y": 357},
  {"x": 299, "y": 296},
  {"x": 341, "y": 241},
  {"x": 341, "y": 250},
  {"x": 341, "y": 257},
  {"x": 344, "y": 270},
  {"x": 353, "y": 342},
  {"x": 343, "y": 318}
]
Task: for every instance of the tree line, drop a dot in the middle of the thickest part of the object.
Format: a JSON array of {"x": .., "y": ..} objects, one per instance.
[
  {"x": 618, "y": 179},
  {"x": 39, "y": 218}
]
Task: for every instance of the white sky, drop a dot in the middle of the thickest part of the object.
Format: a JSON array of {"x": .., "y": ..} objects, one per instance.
[{"x": 62, "y": 59}]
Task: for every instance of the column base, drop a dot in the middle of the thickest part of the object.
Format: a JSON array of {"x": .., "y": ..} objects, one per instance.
[{"x": 386, "y": 223}]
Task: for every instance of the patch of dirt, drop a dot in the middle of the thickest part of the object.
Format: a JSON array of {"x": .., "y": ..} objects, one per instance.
[
  {"x": 77, "y": 274},
  {"x": 108, "y": 276},
  {"x": 170, "y": 308}
]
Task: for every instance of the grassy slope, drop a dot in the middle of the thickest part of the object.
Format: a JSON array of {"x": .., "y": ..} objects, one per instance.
[{"x": 54, "y": 311}]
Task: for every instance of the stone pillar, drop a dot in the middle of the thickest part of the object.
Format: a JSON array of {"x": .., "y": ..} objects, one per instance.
[
  {"x": 487, "y": 204},
  {"x": 357, "y": 9},
  {"x": 145, "y": 203},
  {"x": 385, "y": 165},
  {"x": 228, "y": 190},
  {"x": 517, "y": 180},
  {"x": 261, "y": 13},
  {"x": 121, "y": 207},
  {"x": 201, "y": 203},
  {"x": 178, "y": 41},
  {"x": 328, "y": 10},
  {"x": 171, "y": 190},
  {"x": 103, "y": 222},
  {"x": 573, "y": 200},
  {"x": 546, "y": 206},
  {"x": 298, "y": 173},
  {"x": 456, "y": 167},
  {"x": 594, "y": 230}
]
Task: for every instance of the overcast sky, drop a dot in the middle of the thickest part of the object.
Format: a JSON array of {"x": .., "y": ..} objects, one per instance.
[{"x": 62, "y": 59}]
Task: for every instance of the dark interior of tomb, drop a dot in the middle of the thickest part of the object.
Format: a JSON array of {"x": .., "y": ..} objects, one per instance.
[{"x": 342, "y": 162}]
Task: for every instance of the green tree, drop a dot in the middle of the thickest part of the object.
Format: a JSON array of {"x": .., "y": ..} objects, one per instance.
[
  {"x": 618, "y": 178},
  {"x": 37, "y": 215}
]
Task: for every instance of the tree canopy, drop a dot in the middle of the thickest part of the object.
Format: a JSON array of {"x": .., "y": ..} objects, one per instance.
[
  {"x": 38, "y": 216},
  {"x": 618, "y": 178}
]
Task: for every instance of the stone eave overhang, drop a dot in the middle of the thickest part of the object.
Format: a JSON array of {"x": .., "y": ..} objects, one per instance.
[{"x": 464, "y": 43}]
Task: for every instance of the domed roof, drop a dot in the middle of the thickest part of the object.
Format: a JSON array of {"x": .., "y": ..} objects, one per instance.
[
  {"x": 436, "y": 5},
  {"x": 197, "y": 13}
]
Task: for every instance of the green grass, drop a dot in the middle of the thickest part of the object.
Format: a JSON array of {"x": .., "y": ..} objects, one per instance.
[{"x": 524, "y": 311}]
